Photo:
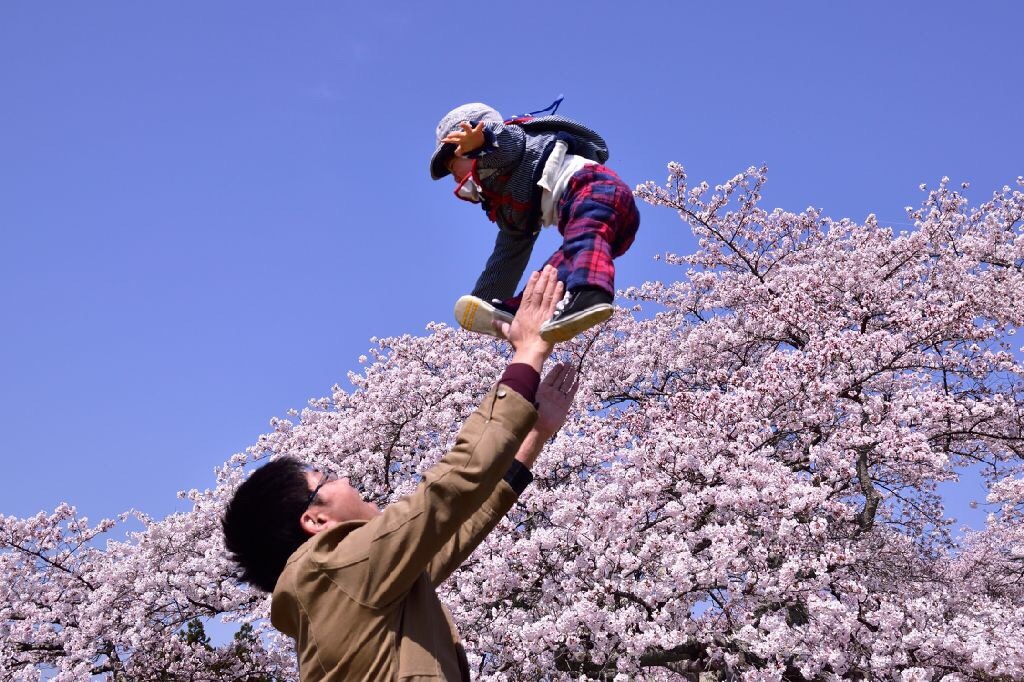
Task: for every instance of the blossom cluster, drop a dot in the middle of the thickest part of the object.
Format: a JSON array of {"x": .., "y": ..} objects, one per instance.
[{"x": 746, "y": 485}]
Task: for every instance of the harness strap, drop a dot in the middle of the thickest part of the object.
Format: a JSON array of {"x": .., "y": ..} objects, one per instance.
[
  {"x": 495, "y": 201},
  {"x": 522, "y": 118}
]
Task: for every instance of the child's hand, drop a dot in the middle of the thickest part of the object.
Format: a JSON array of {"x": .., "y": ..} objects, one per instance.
[{"x": 467, "y": 139}]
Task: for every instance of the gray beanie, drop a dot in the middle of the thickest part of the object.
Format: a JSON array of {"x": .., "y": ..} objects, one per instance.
[{"x": 476, "y": 111}]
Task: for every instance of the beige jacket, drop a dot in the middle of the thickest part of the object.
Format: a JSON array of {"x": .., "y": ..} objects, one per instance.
[{"x": 359, "y": 598}]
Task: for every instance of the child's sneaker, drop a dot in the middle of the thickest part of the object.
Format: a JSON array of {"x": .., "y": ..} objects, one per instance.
[
  {"x": 579, "y": 310},
  {"x": 477, "y": 315}
]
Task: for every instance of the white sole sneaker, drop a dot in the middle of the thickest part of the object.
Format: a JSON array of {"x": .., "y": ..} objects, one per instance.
[
  {"x": 564, "y": 328},
  {"x": 477, "y": 315}
]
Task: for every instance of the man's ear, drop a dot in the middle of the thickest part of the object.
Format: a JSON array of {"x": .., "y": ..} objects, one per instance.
[{"x": 311, "y": 523}]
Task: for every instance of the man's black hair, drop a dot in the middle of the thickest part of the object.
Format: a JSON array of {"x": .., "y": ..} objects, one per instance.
[{"x": 262, "y": 521}]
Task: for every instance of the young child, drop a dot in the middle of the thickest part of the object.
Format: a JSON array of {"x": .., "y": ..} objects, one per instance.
[{"x": 528, "y": 173}]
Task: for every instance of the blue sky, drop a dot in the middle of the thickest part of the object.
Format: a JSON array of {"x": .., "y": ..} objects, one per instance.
[{"x": 207, "y": 209}]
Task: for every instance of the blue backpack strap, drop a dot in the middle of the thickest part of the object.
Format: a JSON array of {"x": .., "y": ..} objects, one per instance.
[{"x": 552, "y": 108}]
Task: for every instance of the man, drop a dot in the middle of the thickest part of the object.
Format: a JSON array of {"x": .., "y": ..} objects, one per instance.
[{"x": 355, "y": 586}]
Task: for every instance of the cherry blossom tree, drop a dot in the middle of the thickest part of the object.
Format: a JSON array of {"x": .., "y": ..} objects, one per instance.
[{"x": 746, "y": 488}]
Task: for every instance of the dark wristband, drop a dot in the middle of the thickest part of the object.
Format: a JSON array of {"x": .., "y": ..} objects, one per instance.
[
  {"x": 522, "y": 379},
  {"x": 518, "y": 476}
]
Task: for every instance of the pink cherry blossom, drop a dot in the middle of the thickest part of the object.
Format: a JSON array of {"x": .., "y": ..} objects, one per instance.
[{"x": 746, "y": 486}]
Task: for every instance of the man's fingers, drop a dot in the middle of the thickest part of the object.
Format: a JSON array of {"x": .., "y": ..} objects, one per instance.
[
  {"x": 552, "y": 295},
  {"x": 550, "y": 282},
  {"x": 555, "y": 376},
  {"x": 531, "y": 286},
  {"x": 569, "y": 377},
  {"x": 547, "y": 291},
  {"x": 537, "y": 293},
  {"x": 564, "y": 378},
  {"x": 570, "y": 382},
  {"x": 574, "y": 387}
]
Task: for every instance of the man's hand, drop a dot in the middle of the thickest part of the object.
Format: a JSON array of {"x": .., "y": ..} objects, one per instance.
[
  {"x": 543, "y": 292},
  {"x": 554, "y": 397},
  {"x": 468, "y": 139}
]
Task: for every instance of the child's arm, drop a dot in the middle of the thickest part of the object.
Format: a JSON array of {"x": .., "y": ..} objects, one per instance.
[
  {"x": 505, "y": 267},
  {"x": 494, "y": 145}
]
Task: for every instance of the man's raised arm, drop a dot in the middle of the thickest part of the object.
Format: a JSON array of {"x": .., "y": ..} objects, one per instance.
[
  {"x": 554, "y": 397},
  {"x": 384, "y": 557}
]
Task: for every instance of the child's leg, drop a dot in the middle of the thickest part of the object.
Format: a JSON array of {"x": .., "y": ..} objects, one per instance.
[
  {"x": 558, "y": 262},
  {"x": 598, "y": 220}
]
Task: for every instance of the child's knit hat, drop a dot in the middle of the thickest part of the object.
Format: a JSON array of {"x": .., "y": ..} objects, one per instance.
[{"x": 476, "y": 112}]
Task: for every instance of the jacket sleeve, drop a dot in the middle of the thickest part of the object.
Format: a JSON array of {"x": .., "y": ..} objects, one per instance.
[
  {"x": 378, "y": 562},
  {"x": 471, "y": 533},
  {"x": 502, "y": 149},
  {"x": 506, "y": 266}
]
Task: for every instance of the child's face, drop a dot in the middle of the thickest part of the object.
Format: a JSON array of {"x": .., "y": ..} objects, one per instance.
[{"x": 460, "y": 167}]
